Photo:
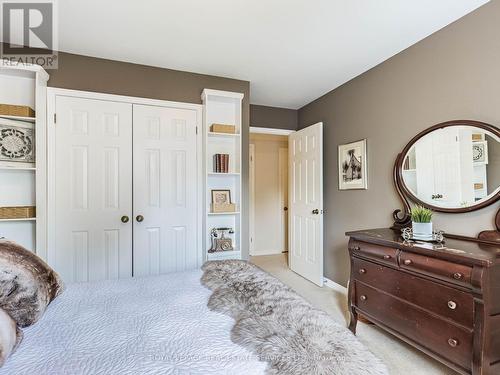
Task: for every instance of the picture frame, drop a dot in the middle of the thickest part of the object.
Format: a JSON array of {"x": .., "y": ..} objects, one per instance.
[
  {"x": 221, "y": 197},
  {"x": 352, "y": 164},
  {"x": 221, "y": 201}
]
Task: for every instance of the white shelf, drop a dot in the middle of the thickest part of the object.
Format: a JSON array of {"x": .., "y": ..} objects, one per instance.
[
  {"x": 233, "y": 254},
  {"x": 229, "y": 135},
  {"x": 23, "y": 219},
  {"x": 223, "y": 213},
  {"x": 19, "y": 118},
  {"x": 17, "y": 169},
  {"x": 223, "y": 174}
]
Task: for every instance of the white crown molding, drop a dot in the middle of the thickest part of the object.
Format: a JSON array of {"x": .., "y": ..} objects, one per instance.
[{"x": 272, "y": 131}]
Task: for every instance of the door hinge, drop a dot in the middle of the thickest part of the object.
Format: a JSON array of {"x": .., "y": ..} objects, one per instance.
[
  {"x": 196, "y": 130},
  {"x": 55, "y": 118}
]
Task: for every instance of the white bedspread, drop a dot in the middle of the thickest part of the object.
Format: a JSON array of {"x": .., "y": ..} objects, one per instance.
[{"x": 156, "y": 325}]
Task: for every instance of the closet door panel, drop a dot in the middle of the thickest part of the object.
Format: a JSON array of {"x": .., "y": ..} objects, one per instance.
[
  {"x": 165, "y": 190},
  {"x": 92, "y": 189}
]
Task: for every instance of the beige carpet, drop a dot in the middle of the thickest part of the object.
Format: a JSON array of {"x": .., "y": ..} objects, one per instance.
[{"x": 399, "y": 357}]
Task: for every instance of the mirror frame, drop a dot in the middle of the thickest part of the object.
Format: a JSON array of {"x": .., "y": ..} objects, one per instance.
[{"x": 406, "y": 194}]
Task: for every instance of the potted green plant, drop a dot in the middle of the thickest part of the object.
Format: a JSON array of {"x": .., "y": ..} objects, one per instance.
[{"x": 421, "y": 221}]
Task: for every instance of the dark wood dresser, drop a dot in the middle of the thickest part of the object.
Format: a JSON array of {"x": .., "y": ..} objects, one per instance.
[{"x": 443, "y": 299}]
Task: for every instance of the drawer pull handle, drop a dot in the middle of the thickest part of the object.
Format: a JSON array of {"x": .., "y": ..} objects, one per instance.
[
  {"x": 363, "y": 298},
  {"x": 356, "y": 248},
  {"x": 362, "y": 271},
  {"x": 387, "y": 257},
  {"x": 457, "y": 275},
  {"x": 407, "y": 262},
  {"x": 452, "y": 305},
  {"x": 453, "y": 343}
]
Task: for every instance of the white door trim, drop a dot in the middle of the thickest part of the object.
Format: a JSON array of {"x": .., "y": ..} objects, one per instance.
[
  {"x": 52, "y": 93},
  {"x": 283, "y": 184},
  {"x": 251, "y": 189},
  {"x": 272, "y": 131},
  {"x": 121, "y": 98}
]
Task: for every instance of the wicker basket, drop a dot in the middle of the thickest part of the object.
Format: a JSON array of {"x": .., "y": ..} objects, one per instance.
[
  {"x": 222, "y": 128},
  {"x": 19, "y": 212},
  {"x": 16, "y": 110}
]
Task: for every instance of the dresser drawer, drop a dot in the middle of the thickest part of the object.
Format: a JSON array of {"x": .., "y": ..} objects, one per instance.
[
  {"x": 437, "y": 335},
  {"x": 378, "y": 253},
  {"x": 442, "y": 300},
  {"x": 441, "y": 269}
]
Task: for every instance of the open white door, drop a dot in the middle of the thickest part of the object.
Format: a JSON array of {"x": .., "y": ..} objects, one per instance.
[{"x": 306, "y": 202}]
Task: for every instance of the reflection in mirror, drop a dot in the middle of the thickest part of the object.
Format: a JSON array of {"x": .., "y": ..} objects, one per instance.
[{"x": 453, "y": 167}]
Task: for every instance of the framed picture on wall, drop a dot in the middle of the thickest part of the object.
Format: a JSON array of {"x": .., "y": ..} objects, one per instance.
[{"x": 353, "y": 166}]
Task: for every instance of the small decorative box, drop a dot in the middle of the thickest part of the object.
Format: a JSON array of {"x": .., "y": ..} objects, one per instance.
[{"x": 220, "y": 208}]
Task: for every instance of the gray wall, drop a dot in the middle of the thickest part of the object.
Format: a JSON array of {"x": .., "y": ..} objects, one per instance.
[
  {"x": 453, "y": 74},
  {"x": 272, "y": 117},
  {"x": 114, "y": 77}
]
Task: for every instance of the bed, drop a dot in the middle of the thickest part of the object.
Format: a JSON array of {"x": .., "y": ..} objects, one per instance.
[
  {"x": 232, "y": 318},
  {"x": 155, "y": 325}
]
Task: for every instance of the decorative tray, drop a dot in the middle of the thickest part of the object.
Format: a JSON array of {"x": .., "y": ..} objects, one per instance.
[{"x": 437, "y": 236}]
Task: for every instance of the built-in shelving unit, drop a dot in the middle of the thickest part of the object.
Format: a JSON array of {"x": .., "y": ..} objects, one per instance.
[
  {"x": 19, "y": 118},
  {"x": 24, "y": 184},
  {"x": 222, "y": 107}
]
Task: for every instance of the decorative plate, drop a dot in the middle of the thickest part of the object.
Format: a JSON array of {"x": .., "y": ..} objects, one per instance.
[
  {"x": 16, "y": 144},
  {"x": 479, "y": 152}
]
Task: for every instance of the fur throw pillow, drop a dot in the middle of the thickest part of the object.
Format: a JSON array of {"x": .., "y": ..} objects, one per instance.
[
  {"x": 10, "y": 336},
  {"x": 27, "y": 284}
]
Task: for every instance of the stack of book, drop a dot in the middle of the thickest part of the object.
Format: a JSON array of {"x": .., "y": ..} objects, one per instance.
[{"x": 221, "y": 163}]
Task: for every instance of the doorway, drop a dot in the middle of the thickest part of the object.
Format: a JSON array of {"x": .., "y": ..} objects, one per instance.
[{"x": 268, "y": 193}]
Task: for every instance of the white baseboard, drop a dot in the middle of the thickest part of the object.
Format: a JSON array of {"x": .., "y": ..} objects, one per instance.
[
  {"x": 333, "y": 285},
  {"x": 266, "y": 252}
]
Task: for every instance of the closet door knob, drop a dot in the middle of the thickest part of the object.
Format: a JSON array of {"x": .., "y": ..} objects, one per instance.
[
  {"x": 139, "y": 218},
  {"x": 125, "y": 219},
  {"x": 315, "y": 211}
]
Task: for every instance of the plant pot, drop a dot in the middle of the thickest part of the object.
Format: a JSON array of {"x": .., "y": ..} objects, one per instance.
[{"x": 422, "y": 231}]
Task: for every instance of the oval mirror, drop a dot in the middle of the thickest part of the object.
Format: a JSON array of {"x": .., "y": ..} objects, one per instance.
[{"x": 452, "y": 167}]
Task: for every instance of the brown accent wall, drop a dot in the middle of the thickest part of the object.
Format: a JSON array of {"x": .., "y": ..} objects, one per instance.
[
  {"x": 273, "y": 117},
  {"x": 114, "y": 77},
  {"x": 453, "y": 74}
]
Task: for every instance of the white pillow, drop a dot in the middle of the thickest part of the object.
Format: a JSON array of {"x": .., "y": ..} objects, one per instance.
[{"x": 10, "y": 336}]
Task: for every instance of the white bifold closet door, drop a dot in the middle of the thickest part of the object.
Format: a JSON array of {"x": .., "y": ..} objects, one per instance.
[
  {"x": 124, "y": 190},
  {"x": 165, "y": 190},
  {"x": 92, "y": 190}
]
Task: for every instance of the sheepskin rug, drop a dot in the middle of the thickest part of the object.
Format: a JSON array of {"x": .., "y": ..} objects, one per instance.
[{"x": 279, "y": 326}]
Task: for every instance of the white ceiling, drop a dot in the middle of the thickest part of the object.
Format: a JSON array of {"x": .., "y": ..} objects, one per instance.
[{"x": 292, "y": 51}]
